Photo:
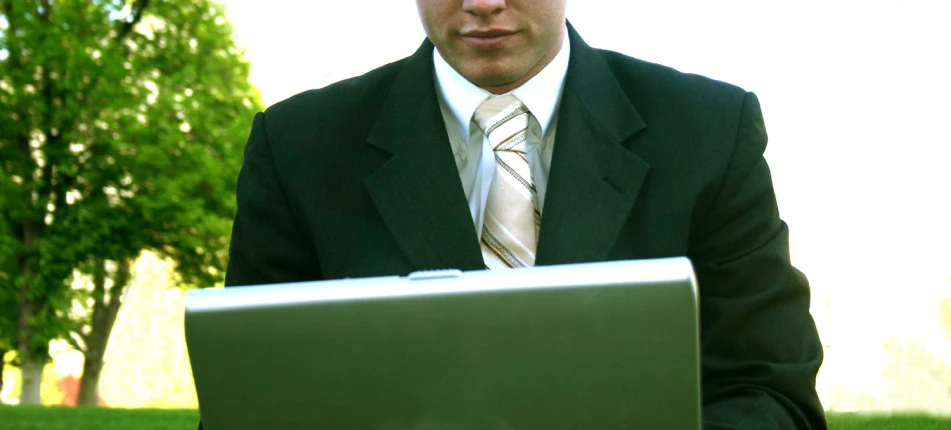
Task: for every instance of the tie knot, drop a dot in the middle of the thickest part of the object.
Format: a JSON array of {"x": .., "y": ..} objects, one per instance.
[{"x": 497, "y": 110}]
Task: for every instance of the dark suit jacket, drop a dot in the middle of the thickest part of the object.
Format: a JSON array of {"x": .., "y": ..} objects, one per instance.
[{"x": 358, "y": 179}]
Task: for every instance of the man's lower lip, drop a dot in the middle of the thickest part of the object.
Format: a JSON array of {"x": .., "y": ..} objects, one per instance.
[{"x": 486, "y": 43}]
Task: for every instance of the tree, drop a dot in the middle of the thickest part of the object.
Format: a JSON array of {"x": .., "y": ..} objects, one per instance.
[{"x": 121, "y": 132}]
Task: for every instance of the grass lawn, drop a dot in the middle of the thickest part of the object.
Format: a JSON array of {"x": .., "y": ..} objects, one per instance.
[
  {"x": 57, "y": 418},
  {"x": 40, "y": 418},
  {"x": 887, "y": 422}
]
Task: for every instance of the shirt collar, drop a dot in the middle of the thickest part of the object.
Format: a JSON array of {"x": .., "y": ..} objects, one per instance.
[{"x": 541, "y": 94}]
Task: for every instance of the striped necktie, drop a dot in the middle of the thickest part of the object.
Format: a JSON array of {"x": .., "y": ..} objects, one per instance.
[{"x": 510, "y": 224}]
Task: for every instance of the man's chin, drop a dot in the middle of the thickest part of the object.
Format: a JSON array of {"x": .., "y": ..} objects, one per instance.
[{"x": 495, "y": 81}]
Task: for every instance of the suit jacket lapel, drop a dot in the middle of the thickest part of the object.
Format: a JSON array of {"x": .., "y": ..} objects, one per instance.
[
  {"x": 418, "y": 192},
  {"x": 592, "y": 185},
  {"x": 594, "y": 180}
]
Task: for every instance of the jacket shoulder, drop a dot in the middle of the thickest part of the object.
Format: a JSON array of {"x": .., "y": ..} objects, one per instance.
[
  {"x": 344, "y": 105},
  {"x": 702, "y": 113},
  {"x": 646, "y": 81},
  {"x": 694, "y": 124}
]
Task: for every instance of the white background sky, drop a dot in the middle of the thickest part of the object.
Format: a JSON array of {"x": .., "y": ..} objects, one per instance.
[{"x": 857, "y": 100}]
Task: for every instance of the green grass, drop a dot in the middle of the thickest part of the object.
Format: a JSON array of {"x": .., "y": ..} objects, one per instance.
[
  {"x": 56, "y": 418},
  {"x": 887, "y": 422}
]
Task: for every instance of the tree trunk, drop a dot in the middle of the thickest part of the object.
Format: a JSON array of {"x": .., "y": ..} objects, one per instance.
[
  {"x": 89, "y": 383},
  {"x": 31, "y": 362},
  {"x": 31, "y": 375},
  {"x": 105, "y": 310},
  {"x": 3, "y": 364}
]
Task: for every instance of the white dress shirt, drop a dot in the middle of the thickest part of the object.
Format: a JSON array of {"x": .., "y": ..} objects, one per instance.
[{"x": 458, "y": 100}]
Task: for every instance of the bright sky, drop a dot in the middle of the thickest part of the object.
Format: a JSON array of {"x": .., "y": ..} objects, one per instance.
[{"x": 857, "y": 100}]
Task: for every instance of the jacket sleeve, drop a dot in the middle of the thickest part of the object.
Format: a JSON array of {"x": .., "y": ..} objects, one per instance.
[
  {"x": 268, "y": 245},
  {"x": 269, "y": 241},
  {"x": 760, "y": 347}
]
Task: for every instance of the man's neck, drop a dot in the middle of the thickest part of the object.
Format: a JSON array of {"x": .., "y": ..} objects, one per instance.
[{"x": 541, "y": 94}]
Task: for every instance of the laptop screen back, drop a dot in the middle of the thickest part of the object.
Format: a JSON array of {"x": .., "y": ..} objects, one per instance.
[{"x": 602, "y": 345}]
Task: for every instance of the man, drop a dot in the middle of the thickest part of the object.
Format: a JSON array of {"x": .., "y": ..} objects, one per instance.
[{"x": 401, "y": 169}]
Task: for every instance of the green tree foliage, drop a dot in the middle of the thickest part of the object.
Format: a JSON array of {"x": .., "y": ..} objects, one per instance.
[{"x": 121, "y": 124}]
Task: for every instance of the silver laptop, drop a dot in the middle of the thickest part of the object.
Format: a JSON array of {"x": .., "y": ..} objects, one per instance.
[{"x": 610, "y": 345}]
